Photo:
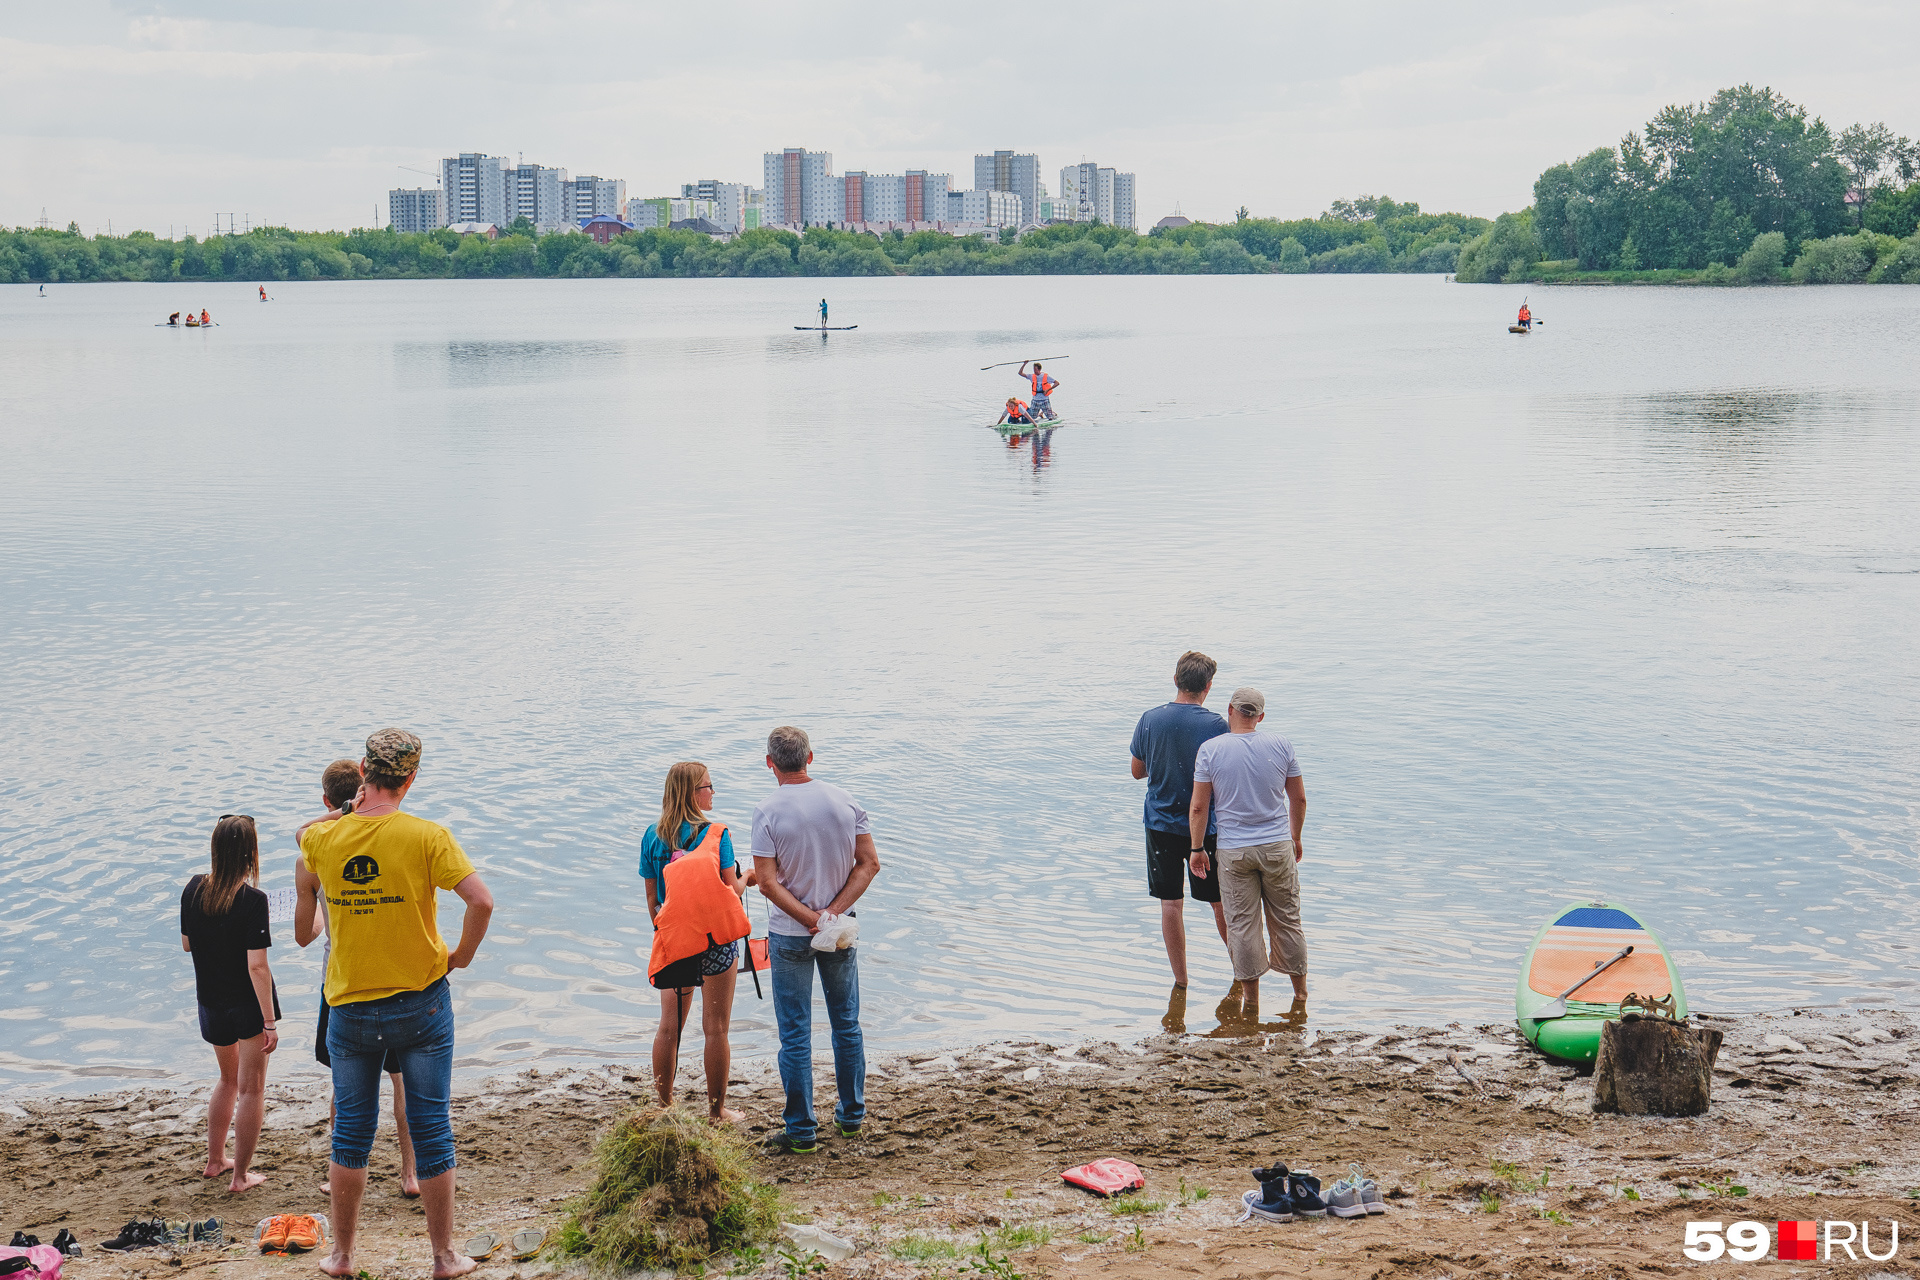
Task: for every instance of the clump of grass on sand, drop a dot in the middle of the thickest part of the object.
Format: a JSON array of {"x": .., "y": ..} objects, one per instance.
[{"x": 671, "y": 1191}]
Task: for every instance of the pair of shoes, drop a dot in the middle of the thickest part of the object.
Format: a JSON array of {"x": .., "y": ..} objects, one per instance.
[
  {"x": 21, "y": 1240},
  {"x": 206, "y": 1231},
  {"x": 1355, "y": 1195},
  {"x": 1284, "y": 1195},
  {"x": 786, "y": 1144},
  {"x": 67, "y": 1243},
  {"x": 141, "y": 1233},
  {"x": 526, "y": 1244},
  {"x": 291, "y": 1233}
]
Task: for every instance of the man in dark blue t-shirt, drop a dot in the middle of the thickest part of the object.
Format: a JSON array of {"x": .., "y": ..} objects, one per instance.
[{"x": 1164, "y": 743}]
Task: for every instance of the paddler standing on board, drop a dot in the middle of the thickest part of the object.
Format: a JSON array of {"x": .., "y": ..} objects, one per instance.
[
  {"x": 1042, "y": 386},
  {"x": 1526, "y": 316},
  {"x": 823, "y": 313}
]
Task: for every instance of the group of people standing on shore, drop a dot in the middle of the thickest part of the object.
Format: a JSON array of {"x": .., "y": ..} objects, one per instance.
[{"x": 1225, "y": 807}]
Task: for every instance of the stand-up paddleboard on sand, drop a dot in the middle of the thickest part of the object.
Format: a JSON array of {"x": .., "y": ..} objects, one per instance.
[{"x": 1576, "y": 938}]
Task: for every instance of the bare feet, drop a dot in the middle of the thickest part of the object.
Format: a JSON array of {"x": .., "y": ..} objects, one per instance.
[
  {"x": 449, "y": 1264},
  {"x": 220, "y": 1170},
  {"x": 338, "y": 1264},
  {"x": 326, "y": 1188},
  {"x": 245, "y": 1182},
  {"x": 726, "y": 1115}
]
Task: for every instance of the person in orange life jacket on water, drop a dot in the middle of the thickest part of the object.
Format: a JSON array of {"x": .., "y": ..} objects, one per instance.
[
  {"x": 1041, "y": 406},
  {"x": 204, "y": 317},
  {"x": 1014, "y": 414},
  {"x": 693, "y": 896},
  {"x": 1526, "y": 317}
]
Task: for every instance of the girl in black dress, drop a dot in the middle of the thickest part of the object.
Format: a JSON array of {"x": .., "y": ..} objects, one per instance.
[{"x": 223, "y": 923}]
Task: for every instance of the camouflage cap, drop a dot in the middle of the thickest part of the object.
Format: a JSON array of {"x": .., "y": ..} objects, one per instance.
[{"x": 394, "y": 752}]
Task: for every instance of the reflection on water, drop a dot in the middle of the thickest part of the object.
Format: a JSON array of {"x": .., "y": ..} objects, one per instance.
[{"x": 1623, "y": 611}]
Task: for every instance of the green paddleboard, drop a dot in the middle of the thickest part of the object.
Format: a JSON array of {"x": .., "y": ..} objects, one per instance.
[{"x": 1574, "y": 939}]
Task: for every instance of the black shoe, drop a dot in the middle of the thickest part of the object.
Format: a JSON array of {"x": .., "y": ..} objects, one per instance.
[
  {"x": 138, "y": 1234},
  {"x": 67, "y": 1243},
  {"x": 21, "y": 1240},
  {"x": 1305, "y": 1190},
  {"x": 849, "y": 1130},
  {"x": 787, "y": 1145}
]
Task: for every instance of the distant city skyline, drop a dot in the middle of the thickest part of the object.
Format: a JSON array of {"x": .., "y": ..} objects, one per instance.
[{"x": 307, "y": 114}]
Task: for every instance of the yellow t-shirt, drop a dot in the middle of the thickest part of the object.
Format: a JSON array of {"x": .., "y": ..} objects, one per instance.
[{"x": 378, "y": 875}]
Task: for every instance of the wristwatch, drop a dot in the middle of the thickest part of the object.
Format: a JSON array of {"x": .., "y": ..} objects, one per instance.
[
  {"x": 346, "y": 807},
  {"x": 1199, "y": 848}
]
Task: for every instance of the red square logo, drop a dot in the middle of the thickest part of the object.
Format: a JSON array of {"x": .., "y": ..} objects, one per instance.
[{"x": 1797, "y": 1241}]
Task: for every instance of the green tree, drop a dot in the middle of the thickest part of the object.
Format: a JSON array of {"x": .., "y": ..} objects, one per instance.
[
  {"x": 1834, "y": 260},
  {"x": 1764, "y": 258},
  {"x": 1505, "y": 251}
]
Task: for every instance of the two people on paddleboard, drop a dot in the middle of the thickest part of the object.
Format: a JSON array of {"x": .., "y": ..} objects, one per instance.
[
  {"x": 1526, "y": 317},
  {"x": 1040, "y": 406}
]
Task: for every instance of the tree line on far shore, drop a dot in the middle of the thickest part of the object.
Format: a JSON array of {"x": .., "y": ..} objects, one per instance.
[
  {"x": 1370, "y": 234},
  {"x": 1741, "y": 189}
]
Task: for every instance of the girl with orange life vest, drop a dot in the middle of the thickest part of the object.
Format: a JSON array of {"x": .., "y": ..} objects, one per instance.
[
  {"x": 1015, "y": 413},
  {"x": 1526, "y": 317},
  {"x": 1042, "y": 385},
  {"x": 693, "y": 894}
]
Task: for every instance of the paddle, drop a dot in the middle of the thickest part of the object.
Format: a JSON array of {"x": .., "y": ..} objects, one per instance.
[
  {"x": 1031, "y": 359},
  {"x": 1557, "y": 1007}
]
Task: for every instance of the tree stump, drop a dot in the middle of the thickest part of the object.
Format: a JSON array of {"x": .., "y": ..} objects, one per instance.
[{"x": 1653, "y": 1067}]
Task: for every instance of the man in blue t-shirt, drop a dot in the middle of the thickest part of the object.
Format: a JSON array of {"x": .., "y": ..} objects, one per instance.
[{"x": 1164, "y": 744}]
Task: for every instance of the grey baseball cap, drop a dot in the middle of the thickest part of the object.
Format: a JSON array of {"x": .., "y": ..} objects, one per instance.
[{"x": 1249, "y": 701}]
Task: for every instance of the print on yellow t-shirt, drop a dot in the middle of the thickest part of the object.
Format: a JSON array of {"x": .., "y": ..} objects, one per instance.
[{"x": 379, "y": 876}]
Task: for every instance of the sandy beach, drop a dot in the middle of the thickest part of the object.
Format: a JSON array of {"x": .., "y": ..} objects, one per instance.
[{"x": 1491, "y": 1158}]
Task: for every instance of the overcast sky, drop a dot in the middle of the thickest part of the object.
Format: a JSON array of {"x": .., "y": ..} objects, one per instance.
[{"x": 304, "y": 114}]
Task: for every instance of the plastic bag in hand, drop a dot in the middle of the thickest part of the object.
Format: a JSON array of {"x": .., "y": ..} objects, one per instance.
[{"x": 836, "y": 933}]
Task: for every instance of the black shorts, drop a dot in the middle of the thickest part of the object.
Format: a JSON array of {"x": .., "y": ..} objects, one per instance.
[
  {"x": 222, "y": 1027},
  {"x": 390, "y": 1065},
  {"x": 1167, "y": 856}
]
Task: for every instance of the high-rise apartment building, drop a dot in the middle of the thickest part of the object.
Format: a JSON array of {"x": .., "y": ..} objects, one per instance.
[
  {"x": 915, "y": 196},
  {"x": 984, "y": 208},
  {"x": 1011, "y": 171},
  {"x": 649, "y": 212},
  {"x": 533, "y": 193},
  {"x": 473, "y": 188},
  {"x": 414, "y": 209},
  {"x": 801, "y": 190},
  {"x": 1089, "y": 191},
  {"x": 588, "y": 196},
  {"x": 730, "y": 200}
]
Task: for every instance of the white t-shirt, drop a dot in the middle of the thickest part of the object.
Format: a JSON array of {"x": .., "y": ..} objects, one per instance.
[
  {"x": 1249, "y": 773},
  {"x": 807, "y": 828}
]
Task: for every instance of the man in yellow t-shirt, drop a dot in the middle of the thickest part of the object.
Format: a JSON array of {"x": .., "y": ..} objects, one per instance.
[{"x": 378, "y": 869}]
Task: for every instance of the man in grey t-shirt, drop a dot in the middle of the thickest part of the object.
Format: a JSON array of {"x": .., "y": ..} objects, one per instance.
[
  {"x": 1251, "y": 782},
  {"x": 813, "y": 857}
]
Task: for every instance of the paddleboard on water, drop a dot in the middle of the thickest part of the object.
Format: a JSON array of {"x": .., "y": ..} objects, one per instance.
[
  {"x": 1567, "y": 947},
  {"x": 1026, "y": 428},
  {"x": 1518, "y": 328},
  {"x": 825, "y": 328}
]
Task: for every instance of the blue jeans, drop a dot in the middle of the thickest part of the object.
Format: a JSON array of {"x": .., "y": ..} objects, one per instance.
[
  {"x": 418, "y": 1026},
  {"x": 794, "y": 960}
]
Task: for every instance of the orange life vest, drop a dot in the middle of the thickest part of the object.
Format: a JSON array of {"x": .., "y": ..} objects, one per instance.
[
  {"x": 1043, "y": 383},
  {"x": 1525, "y": 315},
  {"x": 700, "y": 911},
  {"x": 1019, "y": 410}
]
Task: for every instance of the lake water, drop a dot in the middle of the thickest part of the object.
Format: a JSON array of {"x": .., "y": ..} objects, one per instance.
[{"x": 1624, "y": 607}]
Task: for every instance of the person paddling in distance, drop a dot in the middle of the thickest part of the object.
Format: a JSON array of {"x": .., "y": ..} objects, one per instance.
[
  {"x": 223, "y": 924},
  {"x": 1041, "y": 385},
  {"x": 823, "y": 313},
  {"x": 1526, "y": 316},
  {"x": 684, "y": 829}
]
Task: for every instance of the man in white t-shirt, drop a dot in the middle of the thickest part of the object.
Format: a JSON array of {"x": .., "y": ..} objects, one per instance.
[
  {"x": 813, "y": 857},
  {"x": 1252, "y": 784}
]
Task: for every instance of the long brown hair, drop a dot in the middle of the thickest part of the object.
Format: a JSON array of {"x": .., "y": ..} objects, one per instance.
[
  {"x": 680, "y": 802},
  {"x": 236, "y": 861}
]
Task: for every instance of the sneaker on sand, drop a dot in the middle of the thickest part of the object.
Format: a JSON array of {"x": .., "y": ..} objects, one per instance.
[
  {"x": 303, "y": 1233},
  {"x": 21, "y": 1240},
  {"x": 1267, "y": 1205},
  {"x": 1370, "y": 1197},
  {"x": 848, "y": 1130},
  {"x": 785, "y": 1144},
  {"x": 273, "y": 1233},
  {"x": 207, "y": 1231},
  {"x": 67, "y": 1243},
  {"x": 1343, "y": 1200},
  {"x": 141, "y": 1233},
  {"x": 1304, "y": 1188}
]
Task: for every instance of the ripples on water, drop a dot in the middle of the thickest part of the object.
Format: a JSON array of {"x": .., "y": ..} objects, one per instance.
[{"x": 1620, "y": 607}]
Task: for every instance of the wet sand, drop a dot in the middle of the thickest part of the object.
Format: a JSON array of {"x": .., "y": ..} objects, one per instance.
[{"x": 1495, "y": 1167}]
